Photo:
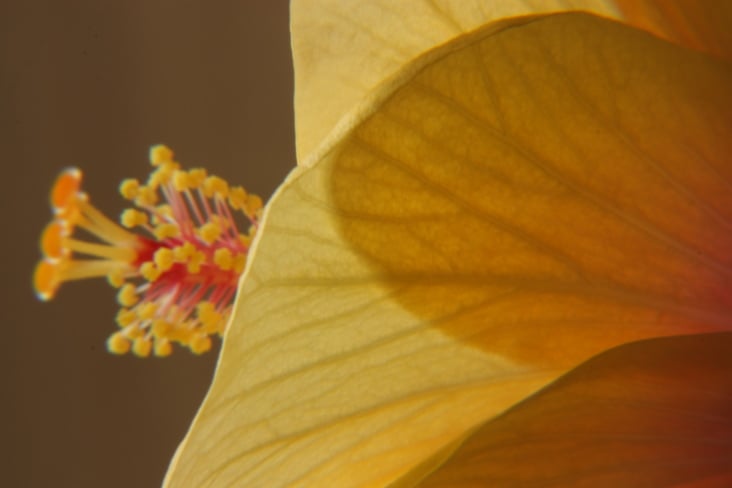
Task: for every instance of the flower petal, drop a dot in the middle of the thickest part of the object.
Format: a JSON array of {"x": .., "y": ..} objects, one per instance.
[
  {"x": 650, "y": 413},
  {"x": 547, "y": 184},
  {"x": 343, "y": 50},
  {"x": 703, "y": 25},
  {"x": 516, "y": 202}
]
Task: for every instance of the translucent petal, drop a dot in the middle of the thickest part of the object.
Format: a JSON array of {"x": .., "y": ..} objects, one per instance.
[
  {"x": 651, "y": 413},
  {"x": 343, "y": 50},
  {"x": 512, "y": 204},
  {"x": 703, "y": 25}
]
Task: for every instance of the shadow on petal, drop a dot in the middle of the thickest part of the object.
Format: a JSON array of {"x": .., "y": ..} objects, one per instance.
[{"x": 549, "y": 191}]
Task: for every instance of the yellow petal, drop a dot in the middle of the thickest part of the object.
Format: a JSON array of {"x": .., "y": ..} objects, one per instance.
[
  {"x": 342, "y": 50},
  {"x": 516, "y": 202},
  {"x": 651, "y": 413},
  {"x": 703, "y": 25}
]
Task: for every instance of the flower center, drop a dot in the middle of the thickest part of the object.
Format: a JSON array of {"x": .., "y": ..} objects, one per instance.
[{"x": 176, "y": 283}]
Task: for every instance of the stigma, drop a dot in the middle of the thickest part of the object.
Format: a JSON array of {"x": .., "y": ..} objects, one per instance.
[{"x": 175, "y": 256}]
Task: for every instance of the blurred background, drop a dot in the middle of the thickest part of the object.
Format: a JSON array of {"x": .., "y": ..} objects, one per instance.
[{"x": 93, "y": 83}]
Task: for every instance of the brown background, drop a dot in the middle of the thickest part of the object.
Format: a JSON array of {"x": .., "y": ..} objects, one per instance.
[{"x": 94, "y": 83}]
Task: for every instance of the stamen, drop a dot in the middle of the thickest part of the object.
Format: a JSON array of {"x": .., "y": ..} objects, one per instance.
[
  {"x": 45, "y": 279},
  {"x": 142, "y": 347},
  {"x": 126, "y": 254},
  {"x": 127, "y": 295},
  {"x": 159, "y": 154},
  {"x": 118, "y": 343},
  {"x": 177, "y": 283},
  {"x": 66, "y": 189},
  {"x": 131, "y": 218},
  {"x": 70, "y": 270},
  {"x": 129, "y": 188},
  {"x": 224, "y": 259},
  {"x": 163, "y": 348},
  {"x": 95, "y": 222},
  {"x": 52, "y": 240}
]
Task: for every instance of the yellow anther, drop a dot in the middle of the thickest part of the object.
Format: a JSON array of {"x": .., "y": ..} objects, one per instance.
[
  {"x": 141, "y": 347},
  {"x": 209, "y": 317},
  {"x": 204, "y": 308},
  {"x": 166, "y": 231},
  {"x": 132, "y": 218},
  {"x": 195, "y": 262},
  {"x": 117, "y": 343},
  {"x": 129, "y": 188},
  {"x": 196, "y": 177},
  {"x": 149, "y": 271},
  {"x": 164, "y": 259},
  {"x": 163, "y": 348},
  {"x": 213, "y": 326},
  {"x": 127, "y": 295},
  {"x": 161, "y": 328},
  {"x": 213, "y": 185},
  {"x": 133, "y": 331},
  {"x": 209, "y": 232},
  {"x": 156, "y": 179},
  {"x": 240, "y": 262},
  {"x": 126, "y": 317},
  {"x": 183, "y": 253},
  {"x": 245, "y": 240},
  {"x": 146, "y": 311},
  {"x": 146, "y": 197},
  {"x": 224, "y": 259},
  {"x": 220, "y": 221},
  {"x": 159, "y": 154},
  {"x": 181, "y": 181},
  {"x": 116, "y": 278},
  {"x": 238, "y": 198},
  {"x": 162, "y": 175},
  {"x": 199, "y": 343},
  {"x": 181, "y": 334},
  {"x": 254, "y": 205}
]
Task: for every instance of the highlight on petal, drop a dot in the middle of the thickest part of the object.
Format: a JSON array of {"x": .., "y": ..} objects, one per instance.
[
  {"x": 515, "y": 203},
  {"x": 343, "y": 50},
  {"x": 703, "y": 25},
  {"x": 650, "y": 413}
]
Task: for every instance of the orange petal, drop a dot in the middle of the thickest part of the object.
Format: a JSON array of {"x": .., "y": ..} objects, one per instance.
[
  {"x": 703, "y": 25},
  {"x": 546, "y": 196},
  {"x": 651, "y": 413}
]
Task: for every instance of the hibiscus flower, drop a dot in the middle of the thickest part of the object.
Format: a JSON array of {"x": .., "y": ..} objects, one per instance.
[
  {"x": 479, "y": 209},
  {"x": 503, "y": 259}
]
